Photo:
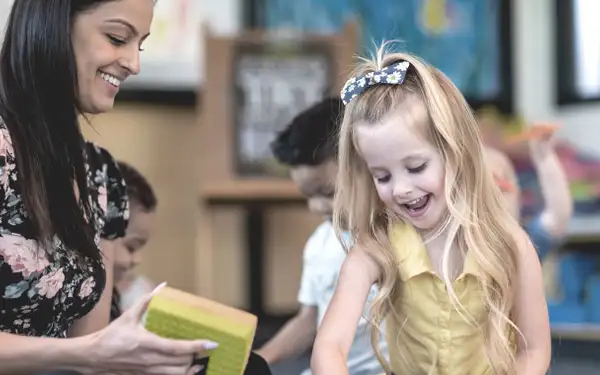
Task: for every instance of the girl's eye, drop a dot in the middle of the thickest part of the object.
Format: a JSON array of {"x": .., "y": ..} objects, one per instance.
[
  {"x": 383, "y": 180},
  {"x": 418, "y": 169}
]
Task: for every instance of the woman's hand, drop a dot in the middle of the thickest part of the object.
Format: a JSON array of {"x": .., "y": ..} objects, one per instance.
[{"x": 125, "y": 347}]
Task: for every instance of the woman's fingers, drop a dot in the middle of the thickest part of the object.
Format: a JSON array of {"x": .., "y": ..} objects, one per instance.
[{"x": 179, "y": 347}]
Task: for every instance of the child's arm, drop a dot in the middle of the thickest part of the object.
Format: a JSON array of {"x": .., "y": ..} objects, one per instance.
[
  {"x": 336, "y": 333},
  {"x": 558, "y": 203},
  {"x": 530, "y": 312},
  {"x": 294, "y": 338}
]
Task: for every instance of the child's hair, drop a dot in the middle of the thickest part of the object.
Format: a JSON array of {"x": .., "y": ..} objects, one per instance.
[
  {"x": 310, "y": 138},
  {"x": 139, "y": 190},
  {"x": 479, "y": 222}
]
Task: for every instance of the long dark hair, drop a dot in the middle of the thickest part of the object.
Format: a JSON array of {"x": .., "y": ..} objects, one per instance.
[{"x": 39, "y": 104}]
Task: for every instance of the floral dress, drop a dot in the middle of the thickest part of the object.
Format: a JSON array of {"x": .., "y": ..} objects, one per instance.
[{"x": 43, "y": 291}]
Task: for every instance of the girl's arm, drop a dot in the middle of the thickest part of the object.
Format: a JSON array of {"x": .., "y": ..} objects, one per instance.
[
  {"x": 530, "y": 312},
  {"x": 558, "y": 203},
  {"x": 336, "y": 333}
]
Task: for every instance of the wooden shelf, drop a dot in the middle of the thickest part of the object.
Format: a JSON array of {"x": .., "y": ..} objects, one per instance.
[
  {"x": 584, "y": 228},
  {"x": 576, "y": 332},
  {"x": 251, "y": 190}
]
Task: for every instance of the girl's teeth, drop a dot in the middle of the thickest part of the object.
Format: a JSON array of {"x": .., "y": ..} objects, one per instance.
[
  {"x": 416, "y": 200},
  {"x": 417, "y": 203}
]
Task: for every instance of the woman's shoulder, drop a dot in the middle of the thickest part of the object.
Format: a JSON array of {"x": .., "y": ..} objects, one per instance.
[{"x": 98, "y": 156}]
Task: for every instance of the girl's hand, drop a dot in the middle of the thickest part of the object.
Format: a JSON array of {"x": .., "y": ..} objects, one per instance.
[{"x": 125, "y": 347}]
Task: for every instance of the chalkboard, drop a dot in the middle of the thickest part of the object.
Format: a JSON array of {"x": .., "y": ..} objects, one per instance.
[{"x": 272, "y": 84}]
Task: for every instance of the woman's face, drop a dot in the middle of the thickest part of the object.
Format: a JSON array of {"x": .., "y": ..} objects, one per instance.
[
  {"x": 128, "y": 249},
  {"x": 107, "y": 41}
]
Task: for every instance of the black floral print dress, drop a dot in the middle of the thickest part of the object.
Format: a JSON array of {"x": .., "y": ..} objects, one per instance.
[{"x": 43, "y": 291}]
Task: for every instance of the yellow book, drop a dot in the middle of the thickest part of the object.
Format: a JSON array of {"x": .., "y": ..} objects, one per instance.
[{"x": 178, "y": 315}]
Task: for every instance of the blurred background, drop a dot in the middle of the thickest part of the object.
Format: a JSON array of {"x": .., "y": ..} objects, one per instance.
[{"x": 220, "y": 78}]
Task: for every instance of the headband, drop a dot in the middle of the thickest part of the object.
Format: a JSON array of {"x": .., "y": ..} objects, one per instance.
[{"x": 393, "y": 74}]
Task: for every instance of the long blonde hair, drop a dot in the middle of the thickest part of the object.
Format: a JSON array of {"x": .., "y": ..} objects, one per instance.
[{"x": 480, "y": 223}]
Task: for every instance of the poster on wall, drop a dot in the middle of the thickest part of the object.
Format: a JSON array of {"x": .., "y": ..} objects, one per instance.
[
  {"x": 173, "y": 56},
  {"x": 271, "y": 86},
  {"x": 171, "y": 50},
  {"x": 460, "y": 37}
]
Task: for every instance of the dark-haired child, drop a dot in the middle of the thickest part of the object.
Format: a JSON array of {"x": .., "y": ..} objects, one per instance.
[{"x": 308, "y": 147}]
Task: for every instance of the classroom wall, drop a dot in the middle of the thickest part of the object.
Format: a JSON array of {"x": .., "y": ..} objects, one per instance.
[
  {"x": 160, "y": 141},
  {"x": 534, "y": 76}
]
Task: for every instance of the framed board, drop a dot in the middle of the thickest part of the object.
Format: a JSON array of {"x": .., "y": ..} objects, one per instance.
[{"x": 272, "y": 84}]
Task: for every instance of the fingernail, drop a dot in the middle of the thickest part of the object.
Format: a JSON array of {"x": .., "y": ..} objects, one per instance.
[
  {"x": 159, "y": 287},
  {"x": 210, "y": 345},
  {"x": 197, "y": 369}
]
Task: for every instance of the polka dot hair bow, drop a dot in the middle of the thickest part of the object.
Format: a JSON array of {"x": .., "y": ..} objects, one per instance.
[{"x": 390, "y": 75}]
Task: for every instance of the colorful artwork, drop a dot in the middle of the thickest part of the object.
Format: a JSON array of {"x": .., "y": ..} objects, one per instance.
[
  {"x": 583, "y": 173},
  {"x": 175, "y": 31},
  {"x": 460, "y": 37}
]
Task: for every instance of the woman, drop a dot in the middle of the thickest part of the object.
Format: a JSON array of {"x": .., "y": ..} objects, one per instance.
[
  {"x": 62, "y": 200},
  {"x": 142, "y": 200}
]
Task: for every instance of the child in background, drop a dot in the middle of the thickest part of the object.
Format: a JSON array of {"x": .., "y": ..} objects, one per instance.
[
  {"x": 459, "y": 283},
  {"x": 308, "y": 147},
  {"x": 547, "y": 229},
  {"x": 129, "y": 287}
]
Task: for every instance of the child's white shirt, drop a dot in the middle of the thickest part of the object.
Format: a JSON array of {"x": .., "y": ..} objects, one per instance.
[{"x": 323, "y": 258}]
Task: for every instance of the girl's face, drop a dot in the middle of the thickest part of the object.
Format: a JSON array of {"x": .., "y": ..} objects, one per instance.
[{"x": 407, "y": 170}]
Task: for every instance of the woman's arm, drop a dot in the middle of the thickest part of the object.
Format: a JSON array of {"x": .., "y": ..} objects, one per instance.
[
  {"x": 336, "y": 333},
  {"x": 99, "y": 317},
  {"x": 22, "y": 355},
  {"x": 531, "y": 312}
]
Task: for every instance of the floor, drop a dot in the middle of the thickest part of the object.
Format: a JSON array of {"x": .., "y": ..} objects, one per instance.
[
  {"x": 559, "y": 367},
  {"x": 571, "y": 358}
]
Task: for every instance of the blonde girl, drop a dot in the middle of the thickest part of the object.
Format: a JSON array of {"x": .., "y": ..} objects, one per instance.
[{"x": 460, "y": 285}]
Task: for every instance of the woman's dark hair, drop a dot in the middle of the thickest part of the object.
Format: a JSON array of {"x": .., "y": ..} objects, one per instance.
[
  {"x": 39, "y": 104},
  {"x": 139, "y": 189},
  {"x": 310, "y": 138}
]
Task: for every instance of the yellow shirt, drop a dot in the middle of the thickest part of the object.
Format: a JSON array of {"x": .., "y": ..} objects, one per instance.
[{"x": 431, "y": 336}]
